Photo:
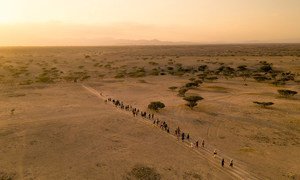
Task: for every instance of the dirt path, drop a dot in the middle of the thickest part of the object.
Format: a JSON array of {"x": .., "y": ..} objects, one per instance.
[{"x": 239, "y": 171}]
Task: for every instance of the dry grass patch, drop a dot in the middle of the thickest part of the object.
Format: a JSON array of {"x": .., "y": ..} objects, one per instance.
[{"x": 141, "y": 172}]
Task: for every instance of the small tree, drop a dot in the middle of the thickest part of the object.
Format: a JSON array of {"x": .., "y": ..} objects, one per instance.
[
  {"x": 192, "y": 100},
  {"x": 263, "y": 104},
  {"x": 287, "y": 93},
  {"x": 156, "y": 105}
]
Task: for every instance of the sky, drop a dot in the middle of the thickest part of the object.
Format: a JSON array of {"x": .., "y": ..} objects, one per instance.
[{"x": 101, "y": 22}]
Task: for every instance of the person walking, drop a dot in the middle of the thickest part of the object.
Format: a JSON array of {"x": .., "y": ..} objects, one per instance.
[
  {"x": 215, "y": 153},
  {"x": 223, "y": 162},
  {"x": 231, "y": 163}
]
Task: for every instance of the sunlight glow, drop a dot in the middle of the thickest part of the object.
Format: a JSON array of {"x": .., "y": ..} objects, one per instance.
[{"x": 204, "y": 21}]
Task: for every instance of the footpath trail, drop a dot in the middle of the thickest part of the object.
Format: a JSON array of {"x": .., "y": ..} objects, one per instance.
[{"x": 239, "y": 171}]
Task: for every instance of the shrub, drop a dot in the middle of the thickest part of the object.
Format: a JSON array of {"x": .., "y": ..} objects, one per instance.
[
  {"x": 143, "y": 173},
  {"x": 261, "y": 78},
  {"x": 182, "y": 91},
  {"x": 140, "y": 72},
  {"x": 192, "y": 100},
  {"x": 286, "y": 92},
  {"x": 7, "y": 176},
  {"x": 154, "y": 72},
  {"x": 198, "y": 81},
  {"x": 172, "y": 88},
  {"x": 191, "y": 84},
  {"x": 85, "y": 77},
  {"x": 156, "y": 105},
  {"x": 120, "y": 75},
  {"x": 242, "y": 68},
  {"x": 211, "y": 78},
  {"x": 288, "y": 76},
  {"x": 278, "y": 83},
  {"x": 266, "y": 68},
  {"x": 202, "y": 68},
  {"x": 170, "y": 68},
  {"x": 263, "y": 104},
  {"x": 153, "y": 63},
  {"x": 192, "y": 79},
  {"x": 44, "y": 79}
]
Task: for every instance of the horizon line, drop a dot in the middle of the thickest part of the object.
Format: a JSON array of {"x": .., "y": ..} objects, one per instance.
[{"x": 174, "y": 44}]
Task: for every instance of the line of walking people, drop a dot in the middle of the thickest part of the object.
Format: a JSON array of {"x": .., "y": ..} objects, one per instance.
[{"x": 163, "y": 125}]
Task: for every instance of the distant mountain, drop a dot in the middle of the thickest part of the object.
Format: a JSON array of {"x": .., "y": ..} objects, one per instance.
[{"x": 111, "y": 41}]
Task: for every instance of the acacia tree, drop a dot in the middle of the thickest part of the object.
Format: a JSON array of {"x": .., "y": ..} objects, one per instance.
[
  {"x": 192, "y": 100},
  {"x": 157, "y": 105}
]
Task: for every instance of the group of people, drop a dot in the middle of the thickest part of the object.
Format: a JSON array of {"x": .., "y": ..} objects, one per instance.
[
  {"x": 163, "y": 125},
  {"x": 134, "y": 111},
  {"x": 223, "y": 162},
  {"x": 179, "y": 133}
]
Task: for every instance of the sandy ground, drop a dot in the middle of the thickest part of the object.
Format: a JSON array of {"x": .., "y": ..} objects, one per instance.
[{"x": 61, "y": 130}]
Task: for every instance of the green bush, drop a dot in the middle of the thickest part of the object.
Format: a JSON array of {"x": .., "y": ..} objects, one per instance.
[{"x": 157, "y": 105}]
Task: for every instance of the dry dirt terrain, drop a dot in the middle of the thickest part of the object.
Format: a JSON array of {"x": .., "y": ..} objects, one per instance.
[{"x": 55, "y": 123}]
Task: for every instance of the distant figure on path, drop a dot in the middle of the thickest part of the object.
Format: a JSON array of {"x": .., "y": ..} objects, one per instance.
[
  {"x": 188, "y": 137},
  {"x": 182, "y": 136},
  {"x": 231, "y": 163},
  {"x": 215, "y": 153},
  {"x": 178, "y": 131},
  {"x": 12, "y": 111},
  {"x": 203, "y": 143},
  {"x": 197, "y": 144},
  {"x": 223, "y": 162}
]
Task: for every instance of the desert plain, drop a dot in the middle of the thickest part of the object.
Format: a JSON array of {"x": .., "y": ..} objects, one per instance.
[{"x": 55, "y": 123}]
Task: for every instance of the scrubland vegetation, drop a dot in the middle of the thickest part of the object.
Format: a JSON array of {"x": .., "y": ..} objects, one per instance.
[{"x": 241, "y": 99}]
